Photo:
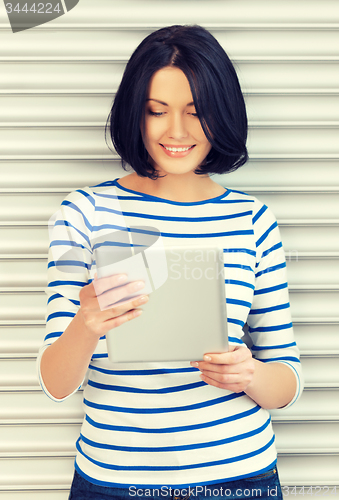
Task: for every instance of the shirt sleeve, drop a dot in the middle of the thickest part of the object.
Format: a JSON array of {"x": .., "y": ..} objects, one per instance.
[
  {"x": 269, "y": 320},
  {"x": 69, "y": 266}
]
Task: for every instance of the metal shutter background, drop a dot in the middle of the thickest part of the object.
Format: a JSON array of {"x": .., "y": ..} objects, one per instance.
[{"x": 57, "y": 82}]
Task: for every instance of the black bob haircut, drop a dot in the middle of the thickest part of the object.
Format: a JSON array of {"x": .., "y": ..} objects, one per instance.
[{"x": 215, "y": 89}]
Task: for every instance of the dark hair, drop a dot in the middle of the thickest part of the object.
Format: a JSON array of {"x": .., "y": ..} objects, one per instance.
[{"x": 215, "y": 89}]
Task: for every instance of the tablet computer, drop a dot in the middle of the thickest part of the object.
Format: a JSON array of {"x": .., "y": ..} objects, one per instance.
[{"x": 185, "y": 316}]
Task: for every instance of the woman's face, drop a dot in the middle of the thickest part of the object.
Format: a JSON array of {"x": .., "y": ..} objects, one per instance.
[{"x": 173, "y": 136}]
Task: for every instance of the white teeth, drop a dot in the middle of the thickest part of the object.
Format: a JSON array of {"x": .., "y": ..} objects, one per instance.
[{"x": 177, "y": 150}]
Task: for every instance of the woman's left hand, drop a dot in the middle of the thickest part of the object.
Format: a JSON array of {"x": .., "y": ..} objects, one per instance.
[{"x": 232, "y": 370}]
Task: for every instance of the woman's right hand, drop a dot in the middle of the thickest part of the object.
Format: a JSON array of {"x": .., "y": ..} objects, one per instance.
[
  {"x": 97, "y": 303},
  {"x": 65, "y": 362}
]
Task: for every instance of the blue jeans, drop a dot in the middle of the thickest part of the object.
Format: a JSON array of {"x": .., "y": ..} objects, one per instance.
[{"x": 263, "y": 486}]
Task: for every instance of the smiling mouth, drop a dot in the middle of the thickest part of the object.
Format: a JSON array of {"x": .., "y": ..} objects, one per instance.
[{"x": 177, "y": 150}]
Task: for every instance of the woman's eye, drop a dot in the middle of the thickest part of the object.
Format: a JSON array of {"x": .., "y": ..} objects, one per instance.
[{"x": 154, "y": 113}]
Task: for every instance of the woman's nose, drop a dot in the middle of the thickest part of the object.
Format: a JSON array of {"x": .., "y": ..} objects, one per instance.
[{"x": 177, "y": 127}]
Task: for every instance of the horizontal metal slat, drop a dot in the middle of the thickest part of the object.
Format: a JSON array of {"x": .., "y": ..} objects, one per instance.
[
  {"x": 33, "y": 407},
  {"x": 284, "y": 75},
  {"x": 104, "y": 42},
  {"x": 21, "y": 340},
  {"x": 121, "y": 43},
  {"x": 302, "y": 205},
  {"x": 34, "y": 440},
  {"x": 23, "y": 272},
  {"x": 35, "y": 472},
  {"x": 241, "y": 12},
  {"x": 309, "y": 238},
  {"x": 42, "y": 494},
  {"x": 317, "y": 305},
  {"x": 54, "y": 141},
  {"x": 317, "y": 338},
  {"x": 321, "y": 371},
  {"x": 303, "y": 175},
  {"x": 63, "y": 76},
  {"x": 27, "y": 306},
  {"x": 18, "y": 374},
  {"x": 312, "y": 271},
  {"x": 96, "y": 76},
  {"x": 277, "y": 42},
  {"x": 307, "y": 470},
  {"x": 71, "y": 174},
  {"x": 38, "y": 206},
  {"x": 289, "y": 107},
  {"x": 24, "y": 239},
  {"x": 292, "y": 141},
  {"x": 313, "y": 405},
  {"x": 307, "y": 437},
  {"x": 56, "y": 109}
]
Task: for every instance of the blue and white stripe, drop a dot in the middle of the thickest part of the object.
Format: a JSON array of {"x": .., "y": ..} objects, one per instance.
[{"x": 158, "y": 424}]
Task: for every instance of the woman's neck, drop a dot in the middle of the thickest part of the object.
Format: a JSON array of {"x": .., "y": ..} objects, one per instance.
[{"x": 181, "y": 188}]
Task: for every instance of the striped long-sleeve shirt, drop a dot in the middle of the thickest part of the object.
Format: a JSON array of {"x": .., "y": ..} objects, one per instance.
[{"x": 158, "y": 424}]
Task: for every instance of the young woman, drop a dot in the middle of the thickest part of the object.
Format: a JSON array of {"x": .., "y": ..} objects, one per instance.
[{"x": 194, "y": 429}]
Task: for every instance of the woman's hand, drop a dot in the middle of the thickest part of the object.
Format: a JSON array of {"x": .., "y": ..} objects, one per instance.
[
  {"x": 97, "y": 303},
  {"x": 233, "y": 370},
  {"x": 65, "y": 362}
]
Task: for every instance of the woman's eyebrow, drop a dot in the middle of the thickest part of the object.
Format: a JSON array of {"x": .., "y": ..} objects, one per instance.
[{"x": 165, "y": 103}]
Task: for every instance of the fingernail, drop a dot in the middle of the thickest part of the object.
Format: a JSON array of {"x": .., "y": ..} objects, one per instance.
[
  {"x": 143, "y": 299},
  {"x": 137, "y": 285},
  {"x": 207, "y": 358},
  {"x": 194, "y": 363},
  {"x": 121, "y": 278}
]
